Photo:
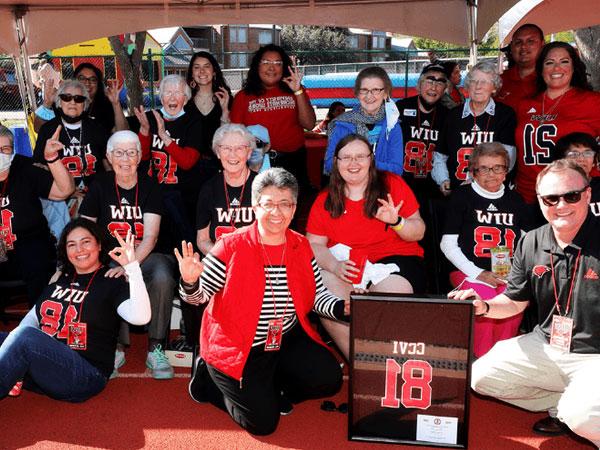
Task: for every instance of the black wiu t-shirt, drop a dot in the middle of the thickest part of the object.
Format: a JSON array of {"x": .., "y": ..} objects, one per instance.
[
  {"x": 213, "y": 208},
  {"x": 102, "y": 202},
  {"x": 21, "y": 213},
  {"x": 62, "y": 303},
  {"x": 483, "y": 223},
  {"x": 85, "y": 148}
]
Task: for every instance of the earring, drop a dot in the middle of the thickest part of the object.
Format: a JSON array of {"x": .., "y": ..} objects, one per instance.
[{"x": 192, "y": 84}]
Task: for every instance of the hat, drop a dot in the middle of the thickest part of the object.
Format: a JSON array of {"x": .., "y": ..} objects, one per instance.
[
  {"x": 260, "y": 132},
  {"x": 435, "y": 67}
]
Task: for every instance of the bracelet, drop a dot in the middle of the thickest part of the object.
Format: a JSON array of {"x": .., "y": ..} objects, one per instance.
[
  {"x": 487, "y": 309},
  {"x": 50, "y": 161},
  {"x": 299, "y": 92},
  {"x": 399, "y": 224}
]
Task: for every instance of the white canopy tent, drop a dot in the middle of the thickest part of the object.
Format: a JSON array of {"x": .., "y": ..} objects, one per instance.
[
  {"x": 551, "y": 15},
  {"x": 32, "y": 26}
]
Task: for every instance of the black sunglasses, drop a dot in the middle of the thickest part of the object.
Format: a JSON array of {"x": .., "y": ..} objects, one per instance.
[
  {"x": 569, "y": 197},
  {"x": 68, "y": 97},
  {"x": 330, "y": 406}
]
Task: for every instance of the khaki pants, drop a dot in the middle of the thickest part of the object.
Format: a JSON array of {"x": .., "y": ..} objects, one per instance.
[{"x": 527, "y": 372}]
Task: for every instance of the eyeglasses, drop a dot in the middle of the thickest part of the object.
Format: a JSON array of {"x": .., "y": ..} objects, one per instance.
[
  {"x": 480, "y": 82},
  {"x": 268, "y": 62},
  {"x": 356, "y": 158},
  {"x": 569, "y": 197},
  {"x": 283, "y": 206},
  {"x": 90, "y": 80},
  {"x": 130, "y": 153},
  {"x": 68, "y": 97},
  {"x": 375, "y": 91},
  {"x": 584, "y": 154},
  {"x": 330, "y": 406},
  {"x": 168, "y": 94},
  {"x": 238, "y": 149},
  {"x": 497, "y": 169},
  {"x": 6, "y": 150},
  {"x": 433, "y": 81}
]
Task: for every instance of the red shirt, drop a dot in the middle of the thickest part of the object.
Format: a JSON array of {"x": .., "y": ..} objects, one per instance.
[
  {"x": 277, "y": 111},
  {"x": 514, "y": 88},
  {"x": 356, "y": 230},
  {"x": 535, "y": 136}
]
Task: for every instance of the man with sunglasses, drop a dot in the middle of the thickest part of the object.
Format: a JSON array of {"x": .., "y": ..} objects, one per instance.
[
  {"x": 555, "y": 367},
  {"x": 421, "y": 118}
]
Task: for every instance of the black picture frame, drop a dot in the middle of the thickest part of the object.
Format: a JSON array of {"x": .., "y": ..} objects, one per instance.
[{"x": 422, "y": 336}]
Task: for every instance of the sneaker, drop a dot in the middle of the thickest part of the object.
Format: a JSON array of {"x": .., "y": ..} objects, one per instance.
[
  {"x": 197, "y": 385},
  {"x": 16, "y": 390},
  {"x": 158, "y": 363},
  {"x": 119, "y": 362},
  {"x": 285, "y": 406}
]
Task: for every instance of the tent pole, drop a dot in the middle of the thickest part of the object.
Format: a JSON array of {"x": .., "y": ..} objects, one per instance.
[
  {"x": 22, "y": 67},
  {"x": 472, "y": 18}
]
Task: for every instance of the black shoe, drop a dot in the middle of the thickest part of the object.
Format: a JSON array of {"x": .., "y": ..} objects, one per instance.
[
  {"x": 285, "y": 406},
  {"x": 550, "y": 426},
  {"x": 198, "y": 384}
]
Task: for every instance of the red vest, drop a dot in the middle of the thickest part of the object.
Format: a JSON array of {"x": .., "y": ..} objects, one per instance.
[{"x": 230, "y": 320}]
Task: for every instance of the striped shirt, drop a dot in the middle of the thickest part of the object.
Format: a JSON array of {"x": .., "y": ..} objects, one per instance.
[{"x": 213, "y": 278}]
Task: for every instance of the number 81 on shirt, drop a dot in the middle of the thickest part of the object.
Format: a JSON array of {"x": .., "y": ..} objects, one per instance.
[{"x": 415, "y": 391}]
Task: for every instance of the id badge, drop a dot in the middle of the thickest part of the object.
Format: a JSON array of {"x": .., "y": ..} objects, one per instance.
[
  {"x": 274, "y": 334},
  {"x": 561, "y": 333},
  {"x": 223, "y": 229},
  {"x": 77, "y": 339}
]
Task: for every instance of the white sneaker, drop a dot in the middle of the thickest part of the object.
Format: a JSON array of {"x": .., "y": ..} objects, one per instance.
[
  {"x": 119, "y": 362},
  {"x": 159, "y": 364}
]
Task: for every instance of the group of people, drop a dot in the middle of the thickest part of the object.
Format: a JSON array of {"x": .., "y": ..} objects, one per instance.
[{"x": 176, "y": 193}]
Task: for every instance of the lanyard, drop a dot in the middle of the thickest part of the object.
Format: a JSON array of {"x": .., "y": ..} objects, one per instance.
[
  {"x": 268, "y": 261},
  {"x": 432, "y": 112},
  {"x": 87, "y": 288},
  {"x": 572, "y": 283},
  {"x": 232, "y": 217}
]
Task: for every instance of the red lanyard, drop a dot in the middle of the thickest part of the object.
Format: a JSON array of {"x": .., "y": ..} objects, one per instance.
[
  {"x": 84, "y": 295},
  {"x": 232, "y": 217},
  {"x": 487, "y": 125},
  {"x": 137, "y": 184},
  {"x": 268, "y": 262},
  {"x": 570, "y": 289}
]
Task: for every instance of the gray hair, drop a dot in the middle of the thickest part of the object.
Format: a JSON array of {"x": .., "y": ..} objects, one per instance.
[
  {"x": 276, "y": 177},
  {"x": 231, "y": 128},
  {"x": 121, "y": 137},
  {"x": 175, "y": 79},
  {"x": 485, "y": 67},
  {"x": 72, "y": 84},
  {"x": 5, "y": 132},
  {"x": 488, "y": 149}
]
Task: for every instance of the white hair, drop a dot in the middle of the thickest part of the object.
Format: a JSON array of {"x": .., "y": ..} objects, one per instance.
[
  {"x": 177, "y": 80},
  {"x": 121, "y": 137}
]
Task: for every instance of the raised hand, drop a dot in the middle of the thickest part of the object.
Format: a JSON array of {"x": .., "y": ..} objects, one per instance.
[
  {"x": 190, "y": 266},
  {"x": 223, "y": 97},
  {"x": 112, "y": 91},
  {"x": 294, "y": 81},
  {"x": 125, "y": 253},
  {"x": 387, "y": 211},
  {"x": 162, "y": 132},
  {"x": 143, "y": 120},
  {"x": 53, "y": 145}
]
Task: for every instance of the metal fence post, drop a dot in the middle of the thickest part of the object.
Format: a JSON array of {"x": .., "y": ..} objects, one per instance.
[
  {"x": 406, "y": 54},
  {"x": 151, "y": 79}
]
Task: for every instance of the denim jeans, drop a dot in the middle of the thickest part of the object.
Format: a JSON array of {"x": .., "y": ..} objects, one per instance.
[{"x": 47, "y": 366}]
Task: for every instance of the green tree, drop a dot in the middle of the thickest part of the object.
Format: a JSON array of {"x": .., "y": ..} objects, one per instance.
[{"x": 316, "y": 45}]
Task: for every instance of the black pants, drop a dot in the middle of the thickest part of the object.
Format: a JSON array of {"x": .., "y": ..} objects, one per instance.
[{"x": 301, "y": 369}]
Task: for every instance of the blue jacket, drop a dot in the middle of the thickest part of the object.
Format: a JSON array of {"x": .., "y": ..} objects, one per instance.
[{"x": 389, "y": 151}]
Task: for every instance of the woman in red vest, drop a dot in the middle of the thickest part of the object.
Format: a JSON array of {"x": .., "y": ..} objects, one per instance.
[{"x": 258, "y": 350}]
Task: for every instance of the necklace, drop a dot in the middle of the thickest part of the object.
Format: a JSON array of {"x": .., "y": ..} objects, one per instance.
[
  {"x": 225, "y": 187},
  {"x": 270, "y": 265},
  {"x": 205, "y": 103},
  {"x": 552, "y": 108}
]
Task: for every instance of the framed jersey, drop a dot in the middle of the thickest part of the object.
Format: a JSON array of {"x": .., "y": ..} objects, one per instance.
[{"x": 410, "y": 369}]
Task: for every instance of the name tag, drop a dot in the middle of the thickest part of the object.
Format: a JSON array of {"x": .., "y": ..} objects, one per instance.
[
  {"x": 410, "y": 112},
  {"x": 561, "y": 333}
]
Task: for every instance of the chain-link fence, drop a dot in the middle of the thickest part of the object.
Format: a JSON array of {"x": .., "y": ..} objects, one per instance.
[{"x": 328, "y": 75}]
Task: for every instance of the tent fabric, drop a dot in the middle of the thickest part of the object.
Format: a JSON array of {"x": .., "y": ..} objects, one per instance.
[
  {"x": 54, "y": 23},
  {"x": 559, "y": 15}
]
